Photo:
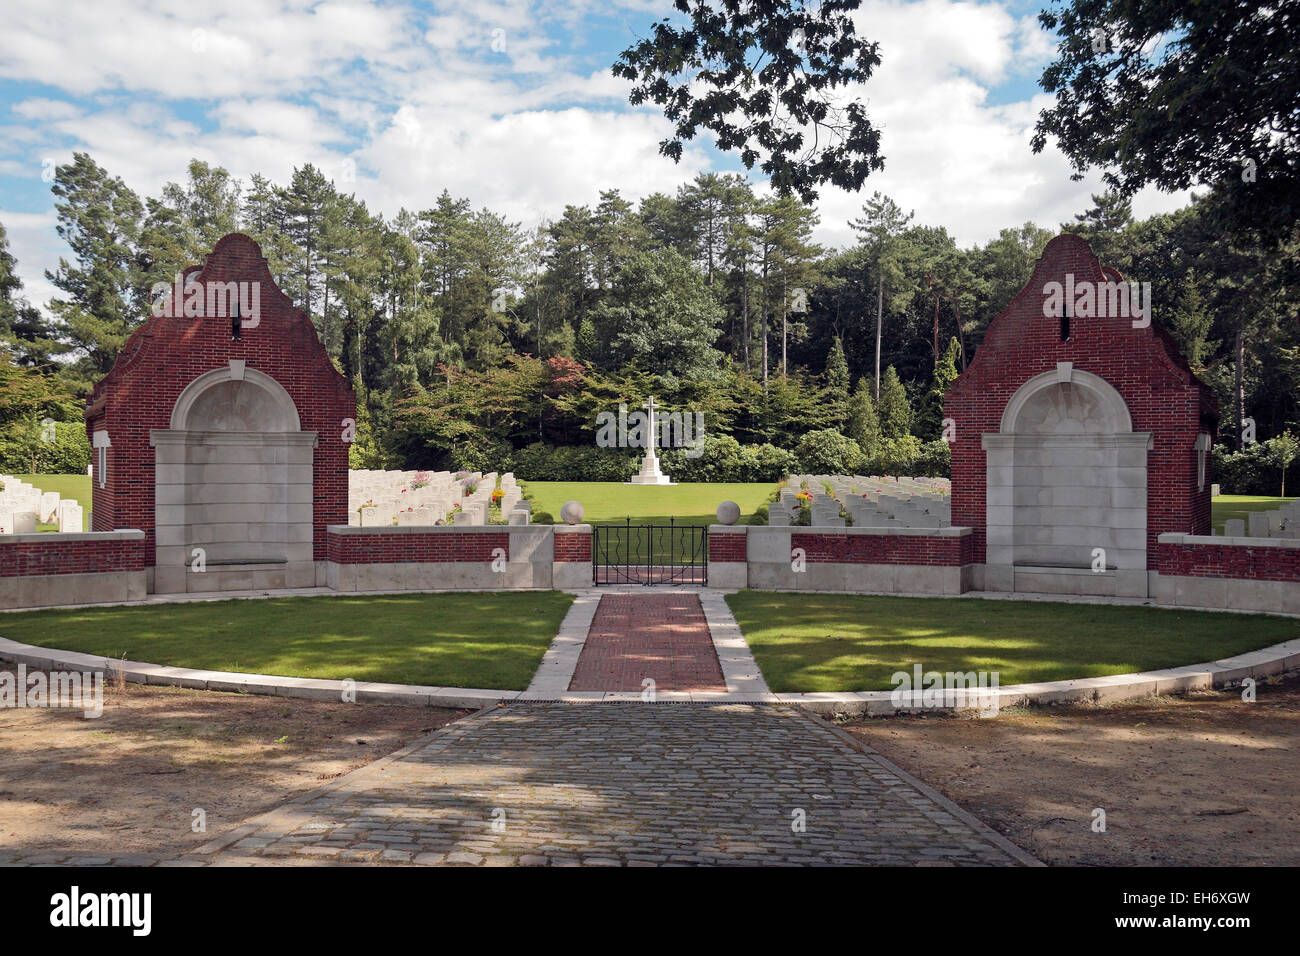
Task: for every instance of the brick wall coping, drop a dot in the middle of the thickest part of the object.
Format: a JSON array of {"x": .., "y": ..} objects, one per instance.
[
  {"x": 59, "y": 537},
  {"x": 1174, "y": 537},
  {"x": 346, "y": 529},
  {"x": 954, "y": 532},
  {"x": 568, "y": 528}
]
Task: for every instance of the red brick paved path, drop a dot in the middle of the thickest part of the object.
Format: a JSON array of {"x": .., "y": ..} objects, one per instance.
[{"x": 661, "y": 636}]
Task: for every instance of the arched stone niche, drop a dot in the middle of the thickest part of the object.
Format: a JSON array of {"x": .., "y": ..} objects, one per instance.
[
  {"x": 233, "y": 479},
  {"x": 1066, "y": 488}
]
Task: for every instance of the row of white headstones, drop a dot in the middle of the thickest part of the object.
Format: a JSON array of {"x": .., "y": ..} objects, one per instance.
[
  {"x": 385, "y": 498},
  {"x": 1283, "y": 522},
  {"x": 23, "y": 506},
  {"x": 869, "y": 501}
]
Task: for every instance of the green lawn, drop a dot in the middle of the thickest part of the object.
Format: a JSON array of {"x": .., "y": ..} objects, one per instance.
[
  {"x": 489, "y": 640},
  {"x": 612, "y": 502},
  {"x": 692, "y": 504},
  {"x": 68, "y": 486},
  {"x": 843, "y": 642},
  {"x": 1240, "y": 506}
]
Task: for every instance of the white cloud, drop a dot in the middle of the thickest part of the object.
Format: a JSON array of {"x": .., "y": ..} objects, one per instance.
[
  {"x": 36, "y": 246},
  {"x": 420, "y": 102},
  {"x": 956, "y": 159}
]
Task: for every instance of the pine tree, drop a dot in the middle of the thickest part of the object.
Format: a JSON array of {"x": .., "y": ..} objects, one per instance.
[
  {"x": 837, "y": 380},
  {"x": 863, "y": 423},
  {"x": 929, "y": 423},
  {"x": 837, "y": 370},
  {"x": 894, "y": 411},
  {"x": 99, "y": 218},
  {"x": 306, "y": 203},
  {"x": 586, "y": 344},
  {"x": 23, "y": 328},
  {"x": 1191, "y": 322},
  {"x": 264, "y": 218}
]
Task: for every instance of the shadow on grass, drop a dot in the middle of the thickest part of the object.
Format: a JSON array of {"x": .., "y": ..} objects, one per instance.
[
  {"x": 491, "y": 640},
  {"x": 816, "y": 642}
]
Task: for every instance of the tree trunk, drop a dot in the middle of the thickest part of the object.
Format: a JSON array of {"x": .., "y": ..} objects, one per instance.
[
  {"x": 936, "y": 330},
  {"x": 880, "y": 313},
  {"x": 765, "y": 303},
  {"x": 785, "y": 294},
  {"x": 765, "y": 350},
  {"x": 744, "y": 311},
  {"x": 1239, "y": 387},
  {"x": 961, "y": 334}
]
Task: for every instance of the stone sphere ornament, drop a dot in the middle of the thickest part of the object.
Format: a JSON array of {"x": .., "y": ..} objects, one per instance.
[
  {"x": 728, "y": 512},
  {"x": 571, "y": 512}
]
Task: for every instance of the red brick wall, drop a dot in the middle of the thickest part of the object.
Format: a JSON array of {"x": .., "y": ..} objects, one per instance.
[
  {"x": 165, "y": 354},
  {"x": 724, "y": 546},
  {"x": 70, "y": 557},
  {"x": 1229, "y": 561},
  {"x": 830, "y": 548},
  {"x": 573, "y": 547},
  {"x": 1144, "y": 366},
  {"x": 431, "y": 548}
]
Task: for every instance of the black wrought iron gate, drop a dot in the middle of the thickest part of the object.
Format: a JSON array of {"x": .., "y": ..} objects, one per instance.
[{"x": 651, "y": 553}]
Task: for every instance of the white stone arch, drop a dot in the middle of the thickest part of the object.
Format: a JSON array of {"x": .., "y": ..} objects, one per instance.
[
  {"x": 1066, "y": 487},
  {"x": 267, "y": 400},
  {"x": 233, "y": 487},
  {"x": 1110, "y": 411}
]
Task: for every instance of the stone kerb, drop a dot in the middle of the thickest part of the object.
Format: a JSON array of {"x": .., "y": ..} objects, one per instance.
[{"x": 1281, "y": 658}]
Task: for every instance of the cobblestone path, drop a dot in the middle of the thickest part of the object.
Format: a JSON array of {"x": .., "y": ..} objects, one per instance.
[{"x": 614, "y": 783}]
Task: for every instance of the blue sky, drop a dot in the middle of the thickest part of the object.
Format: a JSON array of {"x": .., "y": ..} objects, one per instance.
[{"x": 507, "y": 102}]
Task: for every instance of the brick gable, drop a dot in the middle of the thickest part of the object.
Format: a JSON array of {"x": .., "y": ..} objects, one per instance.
[
  {"x": 165, "y": 354},
  {"x": 1163, "y": 396}
]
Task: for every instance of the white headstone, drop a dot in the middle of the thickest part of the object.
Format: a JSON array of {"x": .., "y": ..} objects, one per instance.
[{"x": 71, "y": 519}]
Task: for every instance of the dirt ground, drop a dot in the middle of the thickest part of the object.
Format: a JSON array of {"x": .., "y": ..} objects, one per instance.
[
  {"x": 1204, "y": 779},
  {"x": 128, "y": 782}
]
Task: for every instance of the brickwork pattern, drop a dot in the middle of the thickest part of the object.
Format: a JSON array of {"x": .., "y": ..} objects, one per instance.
[
  {"x": 822, "y": 548},
  {"x": 573, "y": 547},
  {"x": 432, "y": 548},
  {"x": 664, "y": 637},
  {"x": 70, "y": 557},
  {"x": 727, "y": 547},
  {"x": 1229, "y": 561}
]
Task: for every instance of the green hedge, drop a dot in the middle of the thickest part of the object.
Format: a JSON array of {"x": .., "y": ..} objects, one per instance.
[
  {"x": 1252, "y": 471},
  {"x": 722, "y": 458},
  {"x": 542, "y": 462}
]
